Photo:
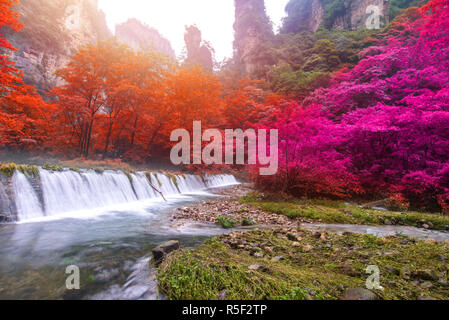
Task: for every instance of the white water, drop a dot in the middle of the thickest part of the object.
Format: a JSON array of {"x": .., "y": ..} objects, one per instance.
[
  {"x": 27, "y": 202},
  {"x": 72, "y": 192}
]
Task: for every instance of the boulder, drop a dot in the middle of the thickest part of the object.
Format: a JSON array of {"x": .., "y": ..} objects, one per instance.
[
  {"x": 160, "y": 252},
  {"x": 360, "y": 294}
]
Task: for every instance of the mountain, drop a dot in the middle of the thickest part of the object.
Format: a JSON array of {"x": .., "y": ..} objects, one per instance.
[
  {"x": 53, "y": 31},
  {"x": 140, "y": 36}
]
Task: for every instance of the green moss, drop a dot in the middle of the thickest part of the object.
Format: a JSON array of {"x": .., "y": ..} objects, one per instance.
[
  {"x": 248, "y": 222},
  {"x": 157, "y": 179},
  {"x": 53, "y": 167},
  {"x": 328, "y": 211},
  {"x": 129, "y": 176},
  {"x": 10, "y": 168},
  {"x": 320, "y": 268}
]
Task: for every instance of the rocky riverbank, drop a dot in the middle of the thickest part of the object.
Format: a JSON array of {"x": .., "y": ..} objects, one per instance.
[
  {"x": 228, "y": 206},
  {"x": 297, "y": 264}
]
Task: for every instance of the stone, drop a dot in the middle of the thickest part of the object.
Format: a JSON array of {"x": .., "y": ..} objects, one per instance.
[
  {"x": 222, "y": 295},
  {"x": 296, "y": 244},
  {"x": 277, "y": 259},
  {"x": 348, "y": 269},
  {"x": 360, "y": 294},
  {"x": 257, "y": 267},
  {"x": 426, "y": 298},
  {"x": 307, "y": 248},
  {"x": 258, "y": 255},
  {"x": 426, "y": 285},
  {"x": 161, "y": 251},
  {"x": 426, "y": 274},
  {"x": 292, "y": 237},
  {"x": 317, "y": 235}
]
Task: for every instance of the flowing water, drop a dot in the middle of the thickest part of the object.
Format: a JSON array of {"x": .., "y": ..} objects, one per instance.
[{"x": 105, "y": 224}]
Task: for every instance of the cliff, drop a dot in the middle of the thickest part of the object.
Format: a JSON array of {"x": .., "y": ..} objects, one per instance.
[
  {"x": 53, "y": 32},
  {"x": 253, "y": 35},
  {"x": 309, "y": 15},
  {"x": 140, "y": 37}
]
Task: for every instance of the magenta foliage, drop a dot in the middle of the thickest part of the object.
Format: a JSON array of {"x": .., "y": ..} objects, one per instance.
[{"x": 381, "y": 128}]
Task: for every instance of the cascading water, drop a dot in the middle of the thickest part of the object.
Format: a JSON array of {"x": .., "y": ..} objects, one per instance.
[
  {"x": 70, "y": 191},
  {"x": 27, "y": 203}
]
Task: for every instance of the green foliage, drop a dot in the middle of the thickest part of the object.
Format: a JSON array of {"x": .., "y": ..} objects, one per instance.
[
  {"x": 9, "y": 169},
  {"x": 53, "y": 167},
  {"x": 247, "y": 222},
  {"x": 227, "y": 223}
]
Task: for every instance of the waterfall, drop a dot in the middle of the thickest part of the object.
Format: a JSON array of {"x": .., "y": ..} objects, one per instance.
[
  {"x": 70, "y": 191},
  {"x": 27, "y": 202}
]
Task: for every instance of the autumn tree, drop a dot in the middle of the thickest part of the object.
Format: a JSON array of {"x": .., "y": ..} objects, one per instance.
[{"x": 24, "y": 116}]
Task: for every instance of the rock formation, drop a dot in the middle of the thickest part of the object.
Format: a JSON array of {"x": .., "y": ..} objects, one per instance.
[
  {"x": 198, "y": 52},
  {"x": 309, "y": 15},
  {"x": 253, "y": 35},
  {"x": 53, "y": 31},
  {"x": 140, "y": 37}
]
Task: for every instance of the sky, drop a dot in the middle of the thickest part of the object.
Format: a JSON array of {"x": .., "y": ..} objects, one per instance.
[{"x": 215, "y": 19}]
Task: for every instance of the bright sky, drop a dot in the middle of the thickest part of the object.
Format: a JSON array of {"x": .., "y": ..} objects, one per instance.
[{"x": 215, "y": 18}]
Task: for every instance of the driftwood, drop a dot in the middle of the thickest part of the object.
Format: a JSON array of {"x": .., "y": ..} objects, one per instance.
[{"x": 157, "y": 190}]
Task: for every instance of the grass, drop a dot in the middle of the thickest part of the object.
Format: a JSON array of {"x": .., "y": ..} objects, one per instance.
[
  {"x": 227, "y": 223},
  {"x": 328, "y": 211},
  {"x": 319, "y": 268}
]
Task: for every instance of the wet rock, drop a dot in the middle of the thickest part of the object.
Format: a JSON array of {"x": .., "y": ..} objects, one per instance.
[
  {"x": 360, "y": 294},
  {"x": 160, "y": 252}
]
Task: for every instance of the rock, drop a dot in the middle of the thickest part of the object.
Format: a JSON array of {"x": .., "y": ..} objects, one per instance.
[
  {"x": 292, "y": 237},
  {"x": 431, "y": 241},
  {"x": 317, "y": 235},
  {"x": 426, "y": 298},
  {"x": 360, "y": 294},
  {"x": 323, "y": 237},
  {"x": 277, "y": 259},
  {"x": 348, "y": 269},
  {"x": 257, "y": 267},
  {"x": 426, "y": 285},
  {"x": 258, "y": 255},
  {"x": 161, "y": 251},
  {"x": 222, "y": 295},
  {"x": 405, "y": 273},
  {"x": 269, "y": 250},
  {"x": 307, "y": 248},
  {"x": 426, "y": 274},
  {"x": 296, "y": 244},
  {"x": 442, "y": 282},
  {"x": 426, "y": 226}
]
